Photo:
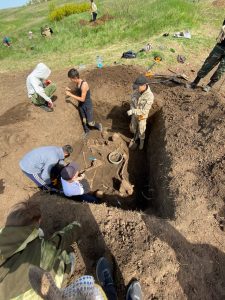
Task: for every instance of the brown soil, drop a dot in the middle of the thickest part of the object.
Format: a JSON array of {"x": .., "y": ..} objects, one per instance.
[
  {"x": 219, "y": 3},
  {"x": 100, "y": 21},
  {"x": 174, "y": 246}
]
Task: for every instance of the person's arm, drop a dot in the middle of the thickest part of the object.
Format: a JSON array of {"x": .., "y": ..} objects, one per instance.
[
  {"x": 36, "y": 84},
  {"x": 84, "y": 90},
  {"x": 134, "y": 99},
  {"x": 45, "y": 175},
  {"x": 67, "y": 236}
]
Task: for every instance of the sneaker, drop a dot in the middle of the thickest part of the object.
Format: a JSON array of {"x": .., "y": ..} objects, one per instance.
[
  {"x": 191, "y": 85},
  {"x": 46, "y": 108},
  {"x": 206, "y": 88},
  {"x": 104, "y": 272},
  {"x": 134, "y": 291},
  {"x": 100, "y": 128}
]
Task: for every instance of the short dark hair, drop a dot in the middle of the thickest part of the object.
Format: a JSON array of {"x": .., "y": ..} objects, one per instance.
[
  {"x": 24, "y": 214},
  {"x": 67, "y": 149},
  {"x": 73, "y": 73}
]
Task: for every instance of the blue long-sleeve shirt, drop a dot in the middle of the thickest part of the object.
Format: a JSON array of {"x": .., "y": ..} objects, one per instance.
[{"x": 41, "y": 160}]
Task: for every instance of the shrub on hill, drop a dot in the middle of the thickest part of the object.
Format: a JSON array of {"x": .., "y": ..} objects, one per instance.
[{"x": 68, "y": 9}]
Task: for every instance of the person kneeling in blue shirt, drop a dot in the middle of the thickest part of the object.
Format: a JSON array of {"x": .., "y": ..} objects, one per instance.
[{"x": 74, "y": 185}]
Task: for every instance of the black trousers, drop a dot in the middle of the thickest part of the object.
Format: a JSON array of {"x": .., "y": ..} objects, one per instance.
[{"x": 94, "y": 16}]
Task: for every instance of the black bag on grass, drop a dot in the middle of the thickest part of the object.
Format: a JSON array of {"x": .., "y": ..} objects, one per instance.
[{"x": 129, "y": 54}]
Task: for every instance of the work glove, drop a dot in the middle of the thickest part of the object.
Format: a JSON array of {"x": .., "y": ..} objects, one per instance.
[{"x": 130, "y": 112}]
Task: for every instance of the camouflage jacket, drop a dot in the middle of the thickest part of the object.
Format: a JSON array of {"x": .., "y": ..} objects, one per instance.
[
  {"x": 142, "y": 103},
  {"x": 23, "y": 246}
]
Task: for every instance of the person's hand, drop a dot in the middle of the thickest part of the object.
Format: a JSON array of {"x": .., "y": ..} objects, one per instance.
[
  {"x": 130, "y": 112},
  {"x": 50, "y": 104},
  {"x": 69, "y": 94},
  {"x": 68, "y": 89},
  {"x": 81, "y": 176},
  {"x": 47, "y": 82}
]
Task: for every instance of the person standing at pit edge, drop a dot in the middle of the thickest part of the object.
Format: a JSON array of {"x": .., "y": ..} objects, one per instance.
[
  {"x": 217, "y": 56},
  {"x": 85, "y": 103},
  {"x": 94, "y": 11},
  {"x": 141, "y": 103}
]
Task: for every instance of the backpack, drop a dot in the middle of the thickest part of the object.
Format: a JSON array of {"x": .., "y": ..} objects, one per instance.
[{"x": 129, "y": 54}]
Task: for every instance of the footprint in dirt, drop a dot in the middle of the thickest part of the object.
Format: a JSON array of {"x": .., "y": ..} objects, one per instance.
[
  {"x": 16, "y": 114},
  {"x": 2, "y": 186}
]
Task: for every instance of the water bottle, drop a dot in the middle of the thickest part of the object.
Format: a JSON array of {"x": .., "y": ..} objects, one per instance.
[{"x": 99, "y": 62}]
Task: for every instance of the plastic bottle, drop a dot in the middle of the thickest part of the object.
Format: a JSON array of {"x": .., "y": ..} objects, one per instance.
[{"x": 99, "y": 62}]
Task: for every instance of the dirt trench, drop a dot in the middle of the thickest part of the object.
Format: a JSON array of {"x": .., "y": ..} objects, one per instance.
[{"x": 170, "y": 241}]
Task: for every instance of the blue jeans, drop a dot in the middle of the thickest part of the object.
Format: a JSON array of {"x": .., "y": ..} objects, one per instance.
[
  {"x": 36, "y": 178},
  {"x": 86, "y": 114},
  {"x": 85, "y": 197}
]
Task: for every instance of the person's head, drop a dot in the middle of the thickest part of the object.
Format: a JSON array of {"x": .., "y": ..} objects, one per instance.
[
  {"x": 24, "y": 214},
  {"x": 141, "y": 84},
  {"x": 70, "y": 172},
  {"x": 74, "y": 75},
  {"x": 67, "y": 149},
  {"x": 92, "y": 1}
]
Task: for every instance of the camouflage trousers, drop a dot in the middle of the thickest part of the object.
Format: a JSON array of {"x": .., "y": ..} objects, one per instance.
[
  {"x": 138, "y": 127},
  {"x": 49, "y": 91},
  {"x": 217, "y": 56}
]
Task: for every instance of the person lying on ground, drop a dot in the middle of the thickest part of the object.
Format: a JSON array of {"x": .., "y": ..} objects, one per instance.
[
  {"x": 140, "y": 106},
  {"x": 94, "y": 11},
  {"x": 40, "y": 90},
  {"x": 74, "y": 184},
  {"x": 22, "y": 244},
  {"x": 37, "y": 164},
  {"x": 6, "y": 41},
  {"x": 83, "y": 95},
  {"x": 217, "y": 56},
  {"x": 84, "y": 288}
]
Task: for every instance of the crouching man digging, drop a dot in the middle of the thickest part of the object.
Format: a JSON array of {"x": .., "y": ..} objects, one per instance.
[
  {"x": 40, "y": 90},
  {"x": 141, "y": 103}
]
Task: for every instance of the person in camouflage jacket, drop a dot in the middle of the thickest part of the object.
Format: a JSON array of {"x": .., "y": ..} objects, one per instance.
[
  {"x": 22, "y": 244},
  {"x": 140, "y": 106}
]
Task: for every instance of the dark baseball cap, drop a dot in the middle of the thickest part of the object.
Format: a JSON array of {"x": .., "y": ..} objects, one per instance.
[
  {"x": 140, "y": 80},
  {"x": 69, "y": 171}
]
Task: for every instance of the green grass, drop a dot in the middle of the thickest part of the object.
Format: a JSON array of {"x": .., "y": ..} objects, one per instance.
[{"x": 134, "y": 24}]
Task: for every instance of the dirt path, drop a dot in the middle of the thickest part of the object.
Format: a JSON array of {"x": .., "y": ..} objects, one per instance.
[{"x": 180, "y": 253}]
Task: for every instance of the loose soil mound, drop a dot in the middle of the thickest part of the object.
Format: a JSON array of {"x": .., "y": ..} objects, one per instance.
[
  {"x": 219, "y": 3},
  {"x": 181, "y": 170},
  {"x": 100, "y": 21}
]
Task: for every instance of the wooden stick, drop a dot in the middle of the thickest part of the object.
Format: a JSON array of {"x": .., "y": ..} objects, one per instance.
[
  {"x": 91, "y": 184},
  {"x": 85, "y": 163}
]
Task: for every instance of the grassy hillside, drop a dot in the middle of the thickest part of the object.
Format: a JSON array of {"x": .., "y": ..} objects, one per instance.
[{"x": 134, "y": 23}]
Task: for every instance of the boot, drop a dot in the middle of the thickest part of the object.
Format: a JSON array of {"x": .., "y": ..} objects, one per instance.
[
  {"x": 133, "y": 144},
  {"x": 141, "y": 145}
]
